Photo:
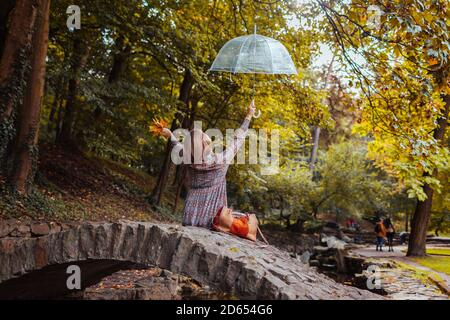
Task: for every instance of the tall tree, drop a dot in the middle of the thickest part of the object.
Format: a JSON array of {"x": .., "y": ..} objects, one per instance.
[
  {"x": 79, "y": 59},
  {"x": 316, "y": 129},
  {"x": 185, "y": 94},
  {"x": 402, "y": 50},
  {"x": 422, "y": 214},
  {"x": 21, "y": 110}
]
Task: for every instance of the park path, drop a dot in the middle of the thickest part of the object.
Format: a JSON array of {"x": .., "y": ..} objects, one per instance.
[{"x": 401, "y": 283}]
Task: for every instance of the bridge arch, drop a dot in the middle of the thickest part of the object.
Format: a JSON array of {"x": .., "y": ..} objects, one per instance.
[{"x": 223, "y": 262}]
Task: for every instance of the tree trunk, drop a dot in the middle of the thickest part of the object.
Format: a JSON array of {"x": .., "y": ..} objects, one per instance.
[
  {"x": 185, "y": 93},
  {"x": 436, "y": 230},
  {"x": 79, "y": 60},
  {"x": 60, "y": 115},
  {"x": 182, "y": 170},
  {"x": 300, "y": 225},
  {"x": 56, "y": 102},
  {"x": 51, "y": 116},
  {"x": 316, "y": 130},
  {"x": 13, "y": 73},
  {"x": 421, "y": 218},
  {"x": 24, "y": 152},
  {"x": 406, "y": 221},
  {"x": 288, "y": 222},
  {"x": 186, "y": 124},
  {"x": 315, "y": 211},
  {"x": 120, "y": 60},
  {"x": 419, "y": 225},
  {"x": 119, "y": 66},
  {"x": 313, "y": 158},
  {"x": 5, "y": 9}
]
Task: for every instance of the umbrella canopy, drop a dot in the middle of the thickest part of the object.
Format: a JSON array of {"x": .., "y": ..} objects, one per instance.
[{"x": 254, "y": 54}]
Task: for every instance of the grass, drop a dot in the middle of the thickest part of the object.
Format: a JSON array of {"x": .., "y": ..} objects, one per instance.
[
  {"x": 439, "y": 251},
  {"x": 438, "y": 259},
  {"x": 422, "y": 275},
  {"x": 437, "y": 263}
]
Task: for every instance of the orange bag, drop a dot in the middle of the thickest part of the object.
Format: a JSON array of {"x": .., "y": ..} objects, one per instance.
[
  {"x": 243, "y": 225},
  {"x": 240, "y": 227}
]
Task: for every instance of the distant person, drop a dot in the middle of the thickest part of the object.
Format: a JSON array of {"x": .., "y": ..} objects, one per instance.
[
  {"x": 390, "y": 233},
  {"x": 352, "y": 224},
  {"x": 380, "y": 231},
  {"x": 349, "y": 223}
]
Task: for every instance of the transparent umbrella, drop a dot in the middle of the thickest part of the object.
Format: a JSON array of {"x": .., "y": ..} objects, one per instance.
[{"x": 254, "y": 54}]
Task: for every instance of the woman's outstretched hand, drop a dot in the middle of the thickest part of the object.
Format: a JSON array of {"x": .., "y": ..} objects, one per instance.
[
  {"x": 166, "y": 133},
  {"x": 251, "y": 109}
]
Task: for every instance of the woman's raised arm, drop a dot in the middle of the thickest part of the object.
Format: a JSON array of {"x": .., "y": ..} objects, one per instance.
[
  {"x": 239, "y": 136},
  {"x": 168, "y": 134}
]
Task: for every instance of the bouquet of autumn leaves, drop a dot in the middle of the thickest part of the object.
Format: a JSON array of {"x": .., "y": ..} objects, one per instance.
[{"x": 157, "y": 127}]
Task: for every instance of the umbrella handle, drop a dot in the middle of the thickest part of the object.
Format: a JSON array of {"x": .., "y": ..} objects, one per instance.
[{"x": 257, "y": 113}]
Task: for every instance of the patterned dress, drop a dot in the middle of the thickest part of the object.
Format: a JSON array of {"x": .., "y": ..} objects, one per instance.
[{"x": 207, "y": 188}]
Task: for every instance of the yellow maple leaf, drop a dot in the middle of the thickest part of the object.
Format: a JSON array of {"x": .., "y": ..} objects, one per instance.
[
  {"x": 432, "y": 61},
  {"x": 157, "y": 126}
]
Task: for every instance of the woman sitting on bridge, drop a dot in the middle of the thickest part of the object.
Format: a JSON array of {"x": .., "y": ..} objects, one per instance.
[{"x": 206, "y": 180}]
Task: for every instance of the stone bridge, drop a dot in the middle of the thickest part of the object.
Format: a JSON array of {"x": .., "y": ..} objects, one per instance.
[{"x": 221, "y": 261}]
